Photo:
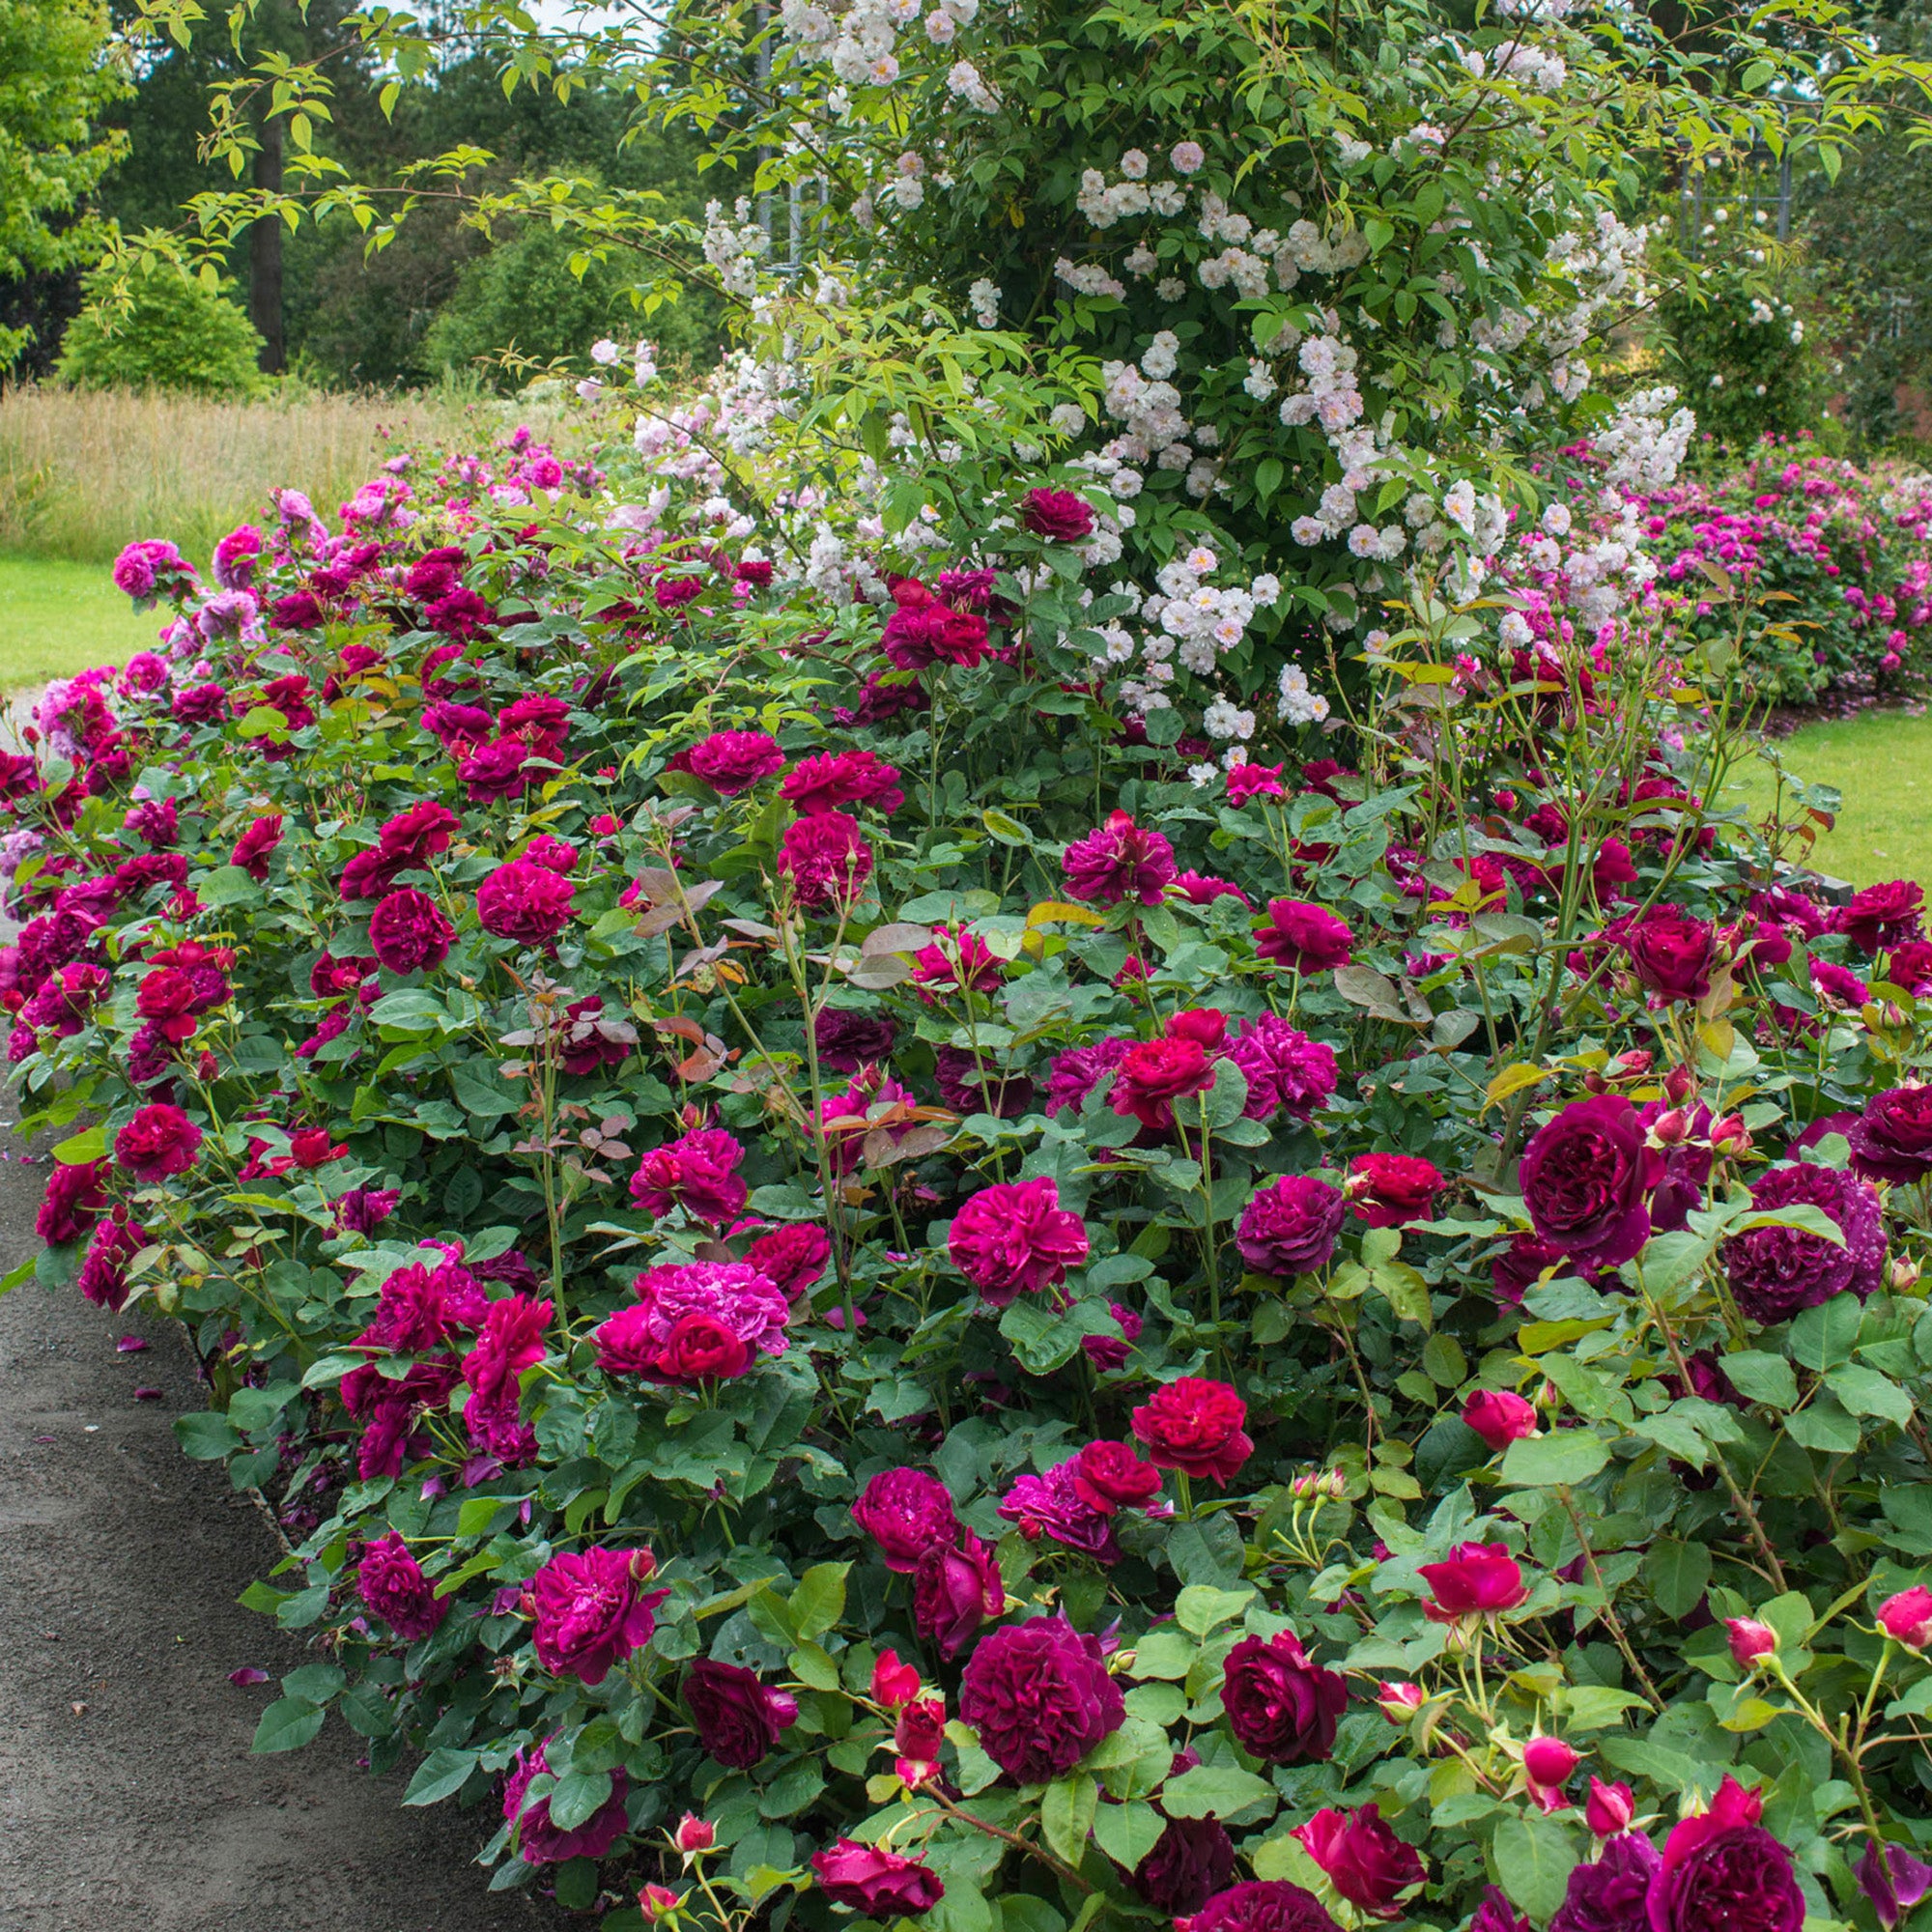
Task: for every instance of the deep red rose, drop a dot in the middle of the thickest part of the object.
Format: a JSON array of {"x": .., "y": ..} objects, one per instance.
[
  {"x": 1585, "y": 1178},
  {"x": 1390, "y": 1191},
  {"x": 525, "y": 902},
  {"x": 159, "y": 1141},
  {"x": 1154, "y": 1073},
  {"x": 733, "y": 762},
  {"x": 1672, "y": 953},
  {"x": 1281, "y": 1707},
  {"x": 1891, "y": 1140},
  {"x": 1195, "y": 1427},
  {"x": 791, "y": 1258},
  {"x": 542, "y": 1842},
  {"x": 739, "y": 1718},
  {"x": 1057, "y": 515},
  {"x": 828, "y": 779},
  {"x": 408, "y": 933},
  {"x": 1500, "y": 1417},
  {"x": 1775, "y": 1272},
  {"x": 880, "y": 1884},
  {"x": 393, "y": 1585},
  {"x": 1284, "y": 1068},
  {"x": 1265, "y": 1905},
  {"x": 1040, "y": 1698},
  {"x": 498, "y": 770},
  {"x": 1191, "y": 1861},
  {"x": 1880, "y": 916},
  {"x": 1475, "y": 1579},
  {"x": 1016, "y": 1237},
  {"x": 1722, "y": 1868},
  {"x": 923, "y": 631},
  {"x": 256, "y": 845},
  {"x": 75, "y": 1201},
  {"x": 1108, "y": 1476},
  {"x": 591, "y": 1610},
  {"x": 826, "y": 860},
  {"x": 847, "y": 1042},
  {"x": 1365, "y": 1862},
  {"x": 1306, "y": 938},
  {"x": 697, "y": 1173}
]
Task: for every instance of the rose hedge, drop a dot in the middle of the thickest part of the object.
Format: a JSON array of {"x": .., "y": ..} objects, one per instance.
[{"x": 860, "y": 1292}]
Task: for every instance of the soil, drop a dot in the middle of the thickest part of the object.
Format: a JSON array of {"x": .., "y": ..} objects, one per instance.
[{"x": 128, "y": 1799}]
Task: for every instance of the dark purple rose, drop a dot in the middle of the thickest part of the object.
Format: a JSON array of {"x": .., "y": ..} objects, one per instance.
[
  {"x": 1054, "y": 1505},
  {"x": 1191, "y": 1861},
  {"x": 539, "y": 1842},
  {"x": 1290, "y": 1227},
  {"x": 75, "y": 1200},
  {"x": 1016, "y": 1237},
  {"x": 880, "y": 1884},
  {"x": 733, "y": 762},
  {"x": 1520, "y": 1267},
  {"x": 1269, "y": 1905},
  {"x": 393, "y": 1585},
  {"x": 1739, "y": 1879},
  {"x": 157, "y": 1142},
  {"x": 1285, "y": 1069},
  {"x": 739, "y": 1720},
  {"x": 408, "y": 931},
  {"x": 1039, "y": 1696},
  {"x": 906, "y": 1513},
  {"x": 1586, "y": 1177},
  {"x": 1282, "y": 1706},
  {"x": 1891, "y": 1140},
  {"x": 847, "y": 1042},
  {"x": 1078, "y": 1070},
  {"x": 1777, "y": 1271},
  {"x": 955, "y": 1592},
  {"x": 1496, "y": 1913},
  {"x": 825, "y": 858},
  {"x": 1672, "y": 953},
  {"x": 526, "y": 902}
]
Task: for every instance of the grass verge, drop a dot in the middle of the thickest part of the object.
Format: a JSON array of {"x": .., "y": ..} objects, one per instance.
[{"x": 58, "y": 617}]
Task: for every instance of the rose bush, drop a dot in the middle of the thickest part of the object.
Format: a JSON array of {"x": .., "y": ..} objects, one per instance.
[{"x": 866, "y": 1255}]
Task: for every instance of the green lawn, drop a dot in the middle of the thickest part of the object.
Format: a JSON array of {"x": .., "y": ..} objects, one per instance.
[
  {"x": 1881, "y": 763},
  {"x": 57, "y": 618}
]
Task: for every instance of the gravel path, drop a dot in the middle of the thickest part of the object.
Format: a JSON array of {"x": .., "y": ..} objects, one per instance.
[{"x": 128, "y": 1799}]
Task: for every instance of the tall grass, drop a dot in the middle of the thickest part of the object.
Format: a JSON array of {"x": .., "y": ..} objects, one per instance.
[{"x": 82, "y": 473}]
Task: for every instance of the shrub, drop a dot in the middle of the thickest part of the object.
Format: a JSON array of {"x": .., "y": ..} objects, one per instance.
[
  {"x": 805, "y": 1227},
  {"x": 174, "y": 335}
]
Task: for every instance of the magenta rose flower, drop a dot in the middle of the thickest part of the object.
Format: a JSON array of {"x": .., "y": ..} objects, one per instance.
[
  {"x": 1290, "y": 1227},
  {"x": 1057, "y": 515},
  {"x": 825, "y": 859},
  {"x": 1285, "y": 1071},
  {"x": 498, "y": 770},
  {"x": 1890, "y": 914},
  {"x": 1476, "y": 1579},
  {"x": 828, "y": 779},
  {"x": 510, "y": 1341},
  {"x": 791, "y": 1258},
  {"x": 408, "y": 932},
  {"x": 1191, "y": 1861},
  {"x": 540, "y": 1841},
  {"x": 159, "y": 1141},
  {"x": 907, "y": 1513},
  {"x": 1673, "y": 954},
  {"x": 394, "y": 1587},
  {"x": 257, "y": 844},
  {"x": 591, "y": 1610},
  {"x": 1306, "y": 938},
  {"x": 1054, "y": 1505},
  {"x": 739, "y": 1720},
  {"x": 1364, "y": 1861},
  {"x": 1500, "y": 1417},
  {"x": 923, "y": 631},
  {"x": 1774, "y": 1272},
  {"x": 1120, "y": 860},
  {"x": 1586, "y": 1176},
  {"x": 1263, "y": 1905},
  {"x": 1496, "y": 1914},
  {"x": 1109, "y": 1476},
  {"x": 1893, "y": 1879},
  {"x": 697, "y": 1173},
  {"x": 1722, "y": 1867},
  {"x": 525, "y": 902},
  {"x": 1080, "y": 1070},
  {"x": 1195, "y": 1427},
  {"x": 726, "y": 1296},
  {"x": 103, "y": 1270},
  {"x": 1282, "y": 1706},
  {"x": 733, "y": 762},
  {"x": 1017, "y": 1236},
  {"x": 955, "y": 1592},
  {"x": 880, "y": 1884},
  {"x": 1039, "y": 1696},
  {"x": 1891, "y": 1140}
]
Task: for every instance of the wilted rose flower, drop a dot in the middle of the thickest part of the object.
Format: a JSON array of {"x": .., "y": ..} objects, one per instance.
[
  {"x": 541, "y": 1843},
  {"x": 1117, "y": 861},
  {"x": 1907, "y": 1617},
  {"x": 697, "y": 1173},
  {"x": 1672, "y": 953},
  {"x": 1195, "y": 1426},
  {"x": 1722, "y": 1867},
  {"x": 1281, "y": 1707},
  {"x": 1774, "y": 1272},
  {"x": 739, "y": 1718},
  {"x": 591, "y": 1610},
  {"x": 1053, "y": 1505},
  {"x": 1891, "y": 1140},
  {"x": 1890, "y": 914},
  {"x": 393, "y": 1586},
  {"x": 828, "y": 779},
  {"x": 1364, "y": 1861},
  {"x": 1016, "y": 1237},
  {"x": 1039, "y": 1696},
  {"x": 1586, "y": 1177},
  {"x": 907, "y": 1513},
  {"x": 956, "y": 1591},
  {"x": 825, "y": 859},
  {"x": 1152, "y": 1074},
  {"x": 1290, "y": 1227},
  {"x": 1191, "y": 1861},
  {"x": 1477, "y": 1579},
  {"x": 522, "y": 901},
  {"x": 1303, "y": 937},
  {"x": 880, "y": 1884},
  {"x": 1057, "y": 515},
  {"x": 1390, "y": 1191},
  {"x": 1263, "y": 1905},
  {"x": 408, "y": 933},
  {"x": 159, "y": 1141},
  {"x": 1500, "y": 1417}
]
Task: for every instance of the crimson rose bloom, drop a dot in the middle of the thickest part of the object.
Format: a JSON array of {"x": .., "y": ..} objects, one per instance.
[
  {"x": 160, "y": 1140},
  {"x": 1911, "y": 966},
  {"x": 1365, "y": 1862},
  {"x": 876, "y": 1881},
  {"x": 522, "y": 901},
  {"x": 1195, "y": 1426},
  {"x": 733, "y": 762},
  {"x": 1390, "y": 1191},
  {"x": 1500, "y": 1417},
  {"x": 699, "y": 1172},
  {"x": 408, "y": 932},
  {"x": 1016, "y": 1236},
  {"x": 1304, "y": 937},
  {"x": 1891, "y": 1140},
  {"x": 1722, "y": 1869},
  {"x": 906, "y": 1513},
  {"x": 1117, "y": 861},
  {"x": 1039, "y": 1696},
  {"x": 923, "y": 631},
  {"x": 1885, "y": 914},
  {"x": 1057, "y": 515},
  {"x": 826, "y": 860},
  {"x": 954, "y": 1591},
  {"x": 791, "y": 1258},
  {"x": 1265, "y": 1905},
  {"x": 393, "y": 1585},
  {"x": 828, "y": 779},
  {"x": 1673, "y": 954},
  {"x": 539, "y": 1841},
  {"x": 498, "y": 770},
  {"x": 1290, "y": 1227},
  {"x": 1281, "y": 1707},
  {"x": 257, "y": 843},
  {"x": 1584, "y": 1178},
  {"x": 1477, "y": 1579},
  {"x": 591, "y": 1611},
  {"x": 1108, "y": 1476},
  {"x": 1777, "y": 1271},
  {"x": 1153, "y": 1073},
  {"x": 1191, "y": 1861},
  {"x": 75, "y": 1201},
  {"x": 739, "y": 1720}
]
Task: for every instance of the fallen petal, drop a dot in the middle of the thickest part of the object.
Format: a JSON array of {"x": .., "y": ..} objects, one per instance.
[
  {"x": 147, "y": 1394},
  {"x": 130, "y": 1344},
  {"x": 248, "y": 1674}
]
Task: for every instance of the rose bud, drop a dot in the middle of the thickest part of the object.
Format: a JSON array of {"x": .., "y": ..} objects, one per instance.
[
  {"x": 1336, "y": 1484},
  {"x": 893, "y": 1683},
  {"x": 1500, "y": 1417},
  {"x": 658, "y": 1902},
  {"x": 1632, "y": 1066},
  {"x": 1751, "y": 1640},
  {"x": 921, "y": 1729},
  {"x": 1671, "y": 1128},
  {"x": 1907, "y": 1618},
  {"x": 1731, "y": 1135},
  {"x": 914, "y": 1771},
  {"x": 1904, "y": 1274},
  {"x": 1401, "y": 1702},
  {"x": 1305, "y": 1486},
  {"x": 1549, "y": 1761},
  {"x": 695, "y": 1835},
  {"x": 1610, "y": 1808},
  {"x": 1679, "y": 1083}
]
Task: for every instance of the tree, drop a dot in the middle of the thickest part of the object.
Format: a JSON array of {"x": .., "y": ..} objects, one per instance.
[{"x": 59, "y": 70}]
